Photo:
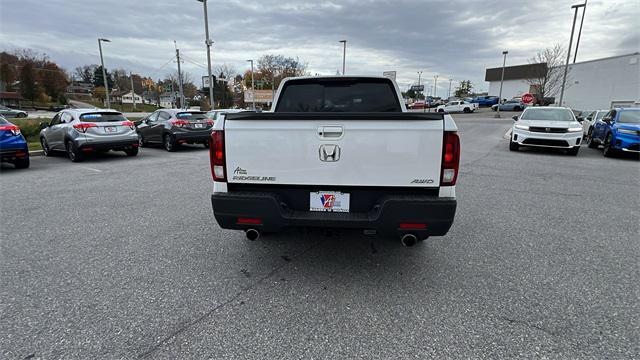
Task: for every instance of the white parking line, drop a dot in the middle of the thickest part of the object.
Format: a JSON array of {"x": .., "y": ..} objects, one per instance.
[
  {"x": 92, "y": 169},
  {"x": 507, "y": 135}
]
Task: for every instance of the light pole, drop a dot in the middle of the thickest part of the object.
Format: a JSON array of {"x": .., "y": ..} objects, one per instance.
[
  {"x": 253, "y": 87},
  {"x": 449, "y": 92},
  {"x": 104, "y": 72},
  {"x": 208, "y": 42},
  {"x": 575, "y": 55},
  {"x": 435, "y": 84},
  {"x": 504, "y": 62},
  {"x": 344, "y": 54},
  {"x": 419, "y": 80},
  {"x": 566, "y": 65}
]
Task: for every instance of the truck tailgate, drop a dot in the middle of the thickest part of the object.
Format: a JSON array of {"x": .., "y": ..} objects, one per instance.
[{"x": 364, "y": 149}]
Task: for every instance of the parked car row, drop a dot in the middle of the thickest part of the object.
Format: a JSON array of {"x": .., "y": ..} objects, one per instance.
[{"x": 618, "y": 130}]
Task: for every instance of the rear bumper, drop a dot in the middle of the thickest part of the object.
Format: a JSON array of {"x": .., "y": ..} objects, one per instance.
[
  {"x": 193, "y": 137},
  {"x": 109, "y": 145},
  {"x": 12, "y": 154},
  {"x": 385, "y": 217}
]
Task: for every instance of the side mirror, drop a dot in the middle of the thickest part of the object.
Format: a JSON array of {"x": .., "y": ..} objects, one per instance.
[
  {"x": 44, "y": 125},
  {"x": 580, "y": 119},
  {"x": 515, "y": 117}
]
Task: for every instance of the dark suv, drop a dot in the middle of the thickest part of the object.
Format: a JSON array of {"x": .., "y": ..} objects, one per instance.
[{"x": 174, "y": 127}]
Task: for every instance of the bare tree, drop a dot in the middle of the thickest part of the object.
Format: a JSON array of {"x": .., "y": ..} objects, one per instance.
[
  {"x": 84, "y": 73},
  {"x": 547, "y": 79},
  {"x": 227, "y": 70}
]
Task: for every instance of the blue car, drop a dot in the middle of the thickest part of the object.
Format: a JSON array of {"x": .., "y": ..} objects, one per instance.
[
  {"x": 618, "y": 130},
  {"x": 13, "y": 146},
  {"x": 485, "y": 100}
]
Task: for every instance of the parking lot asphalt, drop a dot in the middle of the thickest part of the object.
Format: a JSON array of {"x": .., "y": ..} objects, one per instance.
[{"x": 120, "y": 257}]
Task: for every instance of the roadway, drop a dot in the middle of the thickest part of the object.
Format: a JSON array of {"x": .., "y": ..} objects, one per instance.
[{"x": 120, "y": 257}]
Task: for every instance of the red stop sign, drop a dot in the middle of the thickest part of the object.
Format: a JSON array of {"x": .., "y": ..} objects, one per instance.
[{"x": 527, "y": 98}]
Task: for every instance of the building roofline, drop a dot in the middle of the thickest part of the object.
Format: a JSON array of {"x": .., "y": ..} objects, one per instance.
[{"x": 605, "y": 58}]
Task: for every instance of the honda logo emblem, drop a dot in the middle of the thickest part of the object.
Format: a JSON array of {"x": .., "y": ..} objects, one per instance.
[
  {"x": 547, "y": 129},
  {"x": 329, "y": 153}
]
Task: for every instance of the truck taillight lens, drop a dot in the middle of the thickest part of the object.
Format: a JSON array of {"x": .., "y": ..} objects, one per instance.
[
  {"x": 14, "y": 129},
  {"x": 82, "y": 127},
  {"x": 450, "y": 159},
  {"x": 216, "y": 153}
]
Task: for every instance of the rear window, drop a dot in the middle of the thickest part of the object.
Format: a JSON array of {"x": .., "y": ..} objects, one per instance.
[
  {"x": 102, "y": 117},
  {"x": 360, "y": 95},
  {"x": 191, "y": 116}
]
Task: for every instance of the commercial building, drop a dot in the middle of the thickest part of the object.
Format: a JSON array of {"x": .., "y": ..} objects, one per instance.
[{"x": 594, "y": 84}]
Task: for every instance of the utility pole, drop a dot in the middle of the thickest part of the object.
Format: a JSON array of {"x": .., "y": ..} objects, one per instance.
[
  {"x": 133, "y": 92},
  {"x": 504, "y": 62},
  {"x": 566, "y": 66},
  {"x": 104, "y": 72},
  {"x": 180, "y": 77},
  {"x": 173, "y": 95},
  {"x": 208, "y": 42},
  {"x": 580, "y": 32},
  {"x": 253, "y": 87},
  {"x": 344, "y": 54},
  {"x": 449, "y": 92},
  {"x": 435, "y": 84}
]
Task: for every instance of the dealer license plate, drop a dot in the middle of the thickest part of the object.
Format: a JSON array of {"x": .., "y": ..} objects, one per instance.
[
  {"x": 110, "y": 129},
  {"x": 198, "y": 126},
  {"x": 331, "y": 201}
]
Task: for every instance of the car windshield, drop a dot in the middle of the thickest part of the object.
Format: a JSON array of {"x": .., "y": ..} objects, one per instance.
[
  {"x": 631, "y": 116},
  {"x": 191, "y": 116},
  {"x": 102, "y": 117},
  {"x": 338, "y": 96},
  {"x": 547, "y": 114},
  {"x": 600, "y": 115}
]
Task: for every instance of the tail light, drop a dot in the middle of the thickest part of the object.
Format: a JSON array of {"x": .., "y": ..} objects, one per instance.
[
  {"x": 209, "y": 122},
  {"x": 179, "y": 123},
  {"x": 130, "y": 124},
  {"x": 82, "y": 127},
  {"x": 216, "y": 153},
  {"x": 14, "y": 129},
  {"x": 450, "y": 159}
]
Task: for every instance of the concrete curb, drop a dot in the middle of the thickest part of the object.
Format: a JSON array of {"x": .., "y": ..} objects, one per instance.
[{"x": 36, "y": 153}]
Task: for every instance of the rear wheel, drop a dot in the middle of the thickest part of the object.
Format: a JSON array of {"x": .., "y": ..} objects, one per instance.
[
  {"x": 440, "y": 110},
  {"x": 74, "y": 154},
  {"x": 21, "y": 115},
  {"x": 608, "y": 150},
  {"x": 573, "y": 151},
  {"x": 513, "y": 146},
  {"x": 21, "y": 163},
  {"x": 168, "y": 143},
  {"x": 141, "y": 140},
  {"x": 466, "y": 110},
  {"x": 45, "y": 147},
  {"x": 132, "y": 151},
  {"x": 517, "y": 108},
  {"x": 591, "y": 142}
]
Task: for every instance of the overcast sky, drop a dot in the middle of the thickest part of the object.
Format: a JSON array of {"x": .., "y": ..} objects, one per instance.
[{"x": 454, "y": 39}]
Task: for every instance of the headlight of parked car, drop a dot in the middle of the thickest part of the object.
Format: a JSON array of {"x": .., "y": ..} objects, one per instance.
[
  {"x": 627, "y": 131},
  {"x": 575, "y": 129},
  {"x": 522, "y": 127}
]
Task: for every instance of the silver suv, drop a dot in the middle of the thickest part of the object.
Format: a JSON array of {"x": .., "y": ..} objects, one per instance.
[{"x": 82, "y": 131}]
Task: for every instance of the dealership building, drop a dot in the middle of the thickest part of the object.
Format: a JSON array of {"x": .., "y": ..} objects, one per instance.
[{"x": 594, "y": 84}]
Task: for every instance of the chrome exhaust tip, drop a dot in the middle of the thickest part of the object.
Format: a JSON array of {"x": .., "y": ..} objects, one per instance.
[
  {"x": 252, "y": 234},
  {"x": 408, "y": 240}
]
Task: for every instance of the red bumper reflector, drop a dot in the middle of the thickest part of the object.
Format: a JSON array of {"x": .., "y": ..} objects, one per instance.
[
  {"x": 249, "y": 221},
  {"x": 413, "y": 226}
]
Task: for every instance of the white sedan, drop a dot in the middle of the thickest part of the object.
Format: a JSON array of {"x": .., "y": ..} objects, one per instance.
[{"x": 550, "y": 127}]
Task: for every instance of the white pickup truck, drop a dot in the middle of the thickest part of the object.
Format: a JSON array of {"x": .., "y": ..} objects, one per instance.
[
  {"x": 336, "y": 152},
  {"x": 458, "y": 106}
]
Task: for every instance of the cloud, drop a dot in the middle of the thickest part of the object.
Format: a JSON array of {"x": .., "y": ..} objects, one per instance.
[{"x": 454, "y": 39}]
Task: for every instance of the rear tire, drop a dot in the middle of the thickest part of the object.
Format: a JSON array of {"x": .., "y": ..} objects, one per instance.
[
  {"x": 21, "y": 115},
  {"x": 591, "y": 143},
  {"x": 45, "y": 147},
  {"x": 573, "y": 151},
  {"x": 74, "y": 154},
  {"x": 132, "y": 151},
  {"x": 466, "y": 110},
  {"x": 168, "y": 143},
  {"x": 517, "y": 108},
  {"x": 141, "y": 140},
  {"x": 513, "y": 146},
  {"x": 21, "y": 163}
]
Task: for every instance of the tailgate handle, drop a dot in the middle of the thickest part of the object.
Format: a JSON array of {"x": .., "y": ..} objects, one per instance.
[{"x": 330, "y": 132}]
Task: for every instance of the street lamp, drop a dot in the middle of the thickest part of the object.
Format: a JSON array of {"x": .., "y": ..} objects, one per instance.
[
  {"x": 504, "y": 62},
  {"x": 435, "y": 84},
  {"x": 449, "y": 92},
  {"x": 208, "y": 42},
  {"x": 104, "y": 72},
  {"x": 575, "y": 55},
  {"x": 344, "y": 53},
  {"x": 566, "y": 66},
  {"x": 253, "y": 87}
]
